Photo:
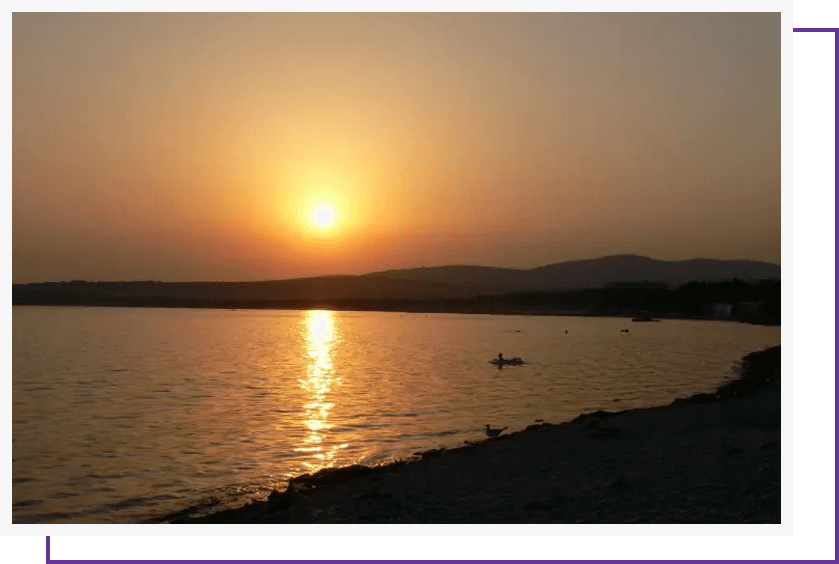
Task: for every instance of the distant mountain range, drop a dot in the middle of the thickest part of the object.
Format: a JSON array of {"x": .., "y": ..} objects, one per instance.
[
  {"x": 443, "y": 282},
  {"x": 590, "y": 273}
]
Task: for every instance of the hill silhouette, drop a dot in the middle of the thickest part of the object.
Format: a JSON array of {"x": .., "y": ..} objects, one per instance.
[
  {"x": 590, "y": 273},
  {"x": 453, "y": 288}
]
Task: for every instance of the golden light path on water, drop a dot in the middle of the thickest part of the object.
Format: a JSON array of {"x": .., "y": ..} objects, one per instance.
[
  {"x": 321, "y": 337},
  {"x": 120, "y": 415}
]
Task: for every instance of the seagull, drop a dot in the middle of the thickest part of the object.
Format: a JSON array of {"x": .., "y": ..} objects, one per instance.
[{"x": 493, "y": 432}]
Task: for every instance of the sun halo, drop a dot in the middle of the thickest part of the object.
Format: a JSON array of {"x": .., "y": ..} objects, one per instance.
[{"x": 323, "y": 216}]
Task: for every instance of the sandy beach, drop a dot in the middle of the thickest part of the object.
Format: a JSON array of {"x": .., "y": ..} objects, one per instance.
[{"x": 710, "y": 458}]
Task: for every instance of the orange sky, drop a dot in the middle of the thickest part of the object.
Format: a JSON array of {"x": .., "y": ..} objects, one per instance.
[{"x": 196, "y": 147}]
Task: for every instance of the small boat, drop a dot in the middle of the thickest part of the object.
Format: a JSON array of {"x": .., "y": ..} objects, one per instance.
[{"x": 515, "y": 361}]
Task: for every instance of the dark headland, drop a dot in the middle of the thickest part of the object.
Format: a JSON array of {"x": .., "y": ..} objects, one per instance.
[{"x": 710, "y": 458}]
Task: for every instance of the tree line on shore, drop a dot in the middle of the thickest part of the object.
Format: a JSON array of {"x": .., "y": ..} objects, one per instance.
[{"x": 737, "y": 299}]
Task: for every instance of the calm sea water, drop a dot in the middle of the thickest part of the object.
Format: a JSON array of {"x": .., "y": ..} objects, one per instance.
[{"x": 125, "y": 415}]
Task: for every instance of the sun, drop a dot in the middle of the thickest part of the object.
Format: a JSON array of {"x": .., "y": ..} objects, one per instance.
[{"x": 323, "y": 216}]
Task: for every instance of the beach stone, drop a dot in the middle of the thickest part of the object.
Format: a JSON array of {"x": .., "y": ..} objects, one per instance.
[
  {"x": 594, "y": 423},
  {"x": 700, "y": 398},
  {"x": 537, "y": 506},
  {"x": 597, "y": 427},
  {"x": 618, "y": 482},
  {"x": 332, "y": 475},
  {"x": 280, "y": 501}
]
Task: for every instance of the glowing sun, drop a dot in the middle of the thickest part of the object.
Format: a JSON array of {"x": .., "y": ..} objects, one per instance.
[{"x": 323, "y": 216}]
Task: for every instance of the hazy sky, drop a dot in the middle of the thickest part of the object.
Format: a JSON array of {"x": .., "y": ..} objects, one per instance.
[{"x": 196, "y": 147}]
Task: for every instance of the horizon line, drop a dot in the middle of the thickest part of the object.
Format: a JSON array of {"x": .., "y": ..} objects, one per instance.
[{"x": 391, "y": 270}]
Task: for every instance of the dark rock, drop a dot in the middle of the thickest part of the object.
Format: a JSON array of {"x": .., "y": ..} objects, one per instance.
[
  {"x": 433, "y": 453},
  {"x": 760, "y": 370},
  {"x": 332, "y": 475},
  {"x": 606, "y": 432},
  {"x": 599, "y": 414},
  {"x": 280, "y": 501},
  {"x": 700, "y": 398},
  {"x": 599, "y": 428},
  {"x": 537, "y": 506},
  {"x": 619, "y": 482},
  {"x": 374, "y": 494}
]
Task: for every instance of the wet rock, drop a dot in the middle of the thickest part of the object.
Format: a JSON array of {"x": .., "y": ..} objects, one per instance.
[
  {"x": 599, "y": 428},
  {"x": 280, "y": 501},
  {"x": 760, "y": 370},
  {"x": 433, "y": 453},
  {"x": 332, "y": 475},
  {"x": 700, "y": 398},
  {"x": 599, "y": 414}
]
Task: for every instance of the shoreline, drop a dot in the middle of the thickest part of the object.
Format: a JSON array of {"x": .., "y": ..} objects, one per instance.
[
  {"x": 708, "y": 458},
  {"x": 420, "y": 310}
]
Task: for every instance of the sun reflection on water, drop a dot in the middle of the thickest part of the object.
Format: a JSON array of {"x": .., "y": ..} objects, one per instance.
[{"x": 321, "y": 336}]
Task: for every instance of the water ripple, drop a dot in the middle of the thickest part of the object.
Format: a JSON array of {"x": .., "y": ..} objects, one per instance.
[{"x": 219, "y": 406}]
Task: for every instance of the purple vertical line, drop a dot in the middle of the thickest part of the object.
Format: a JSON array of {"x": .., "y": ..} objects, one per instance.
[
  {"x": 836, "y": 233},
  {"x": 48, "y": 549}
]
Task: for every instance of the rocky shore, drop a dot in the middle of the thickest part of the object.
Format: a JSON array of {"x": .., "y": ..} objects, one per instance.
[{"x": 709, "y": 458}]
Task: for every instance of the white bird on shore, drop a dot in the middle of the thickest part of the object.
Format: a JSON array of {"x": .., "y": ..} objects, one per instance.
[{"x": 493, "y": 432}]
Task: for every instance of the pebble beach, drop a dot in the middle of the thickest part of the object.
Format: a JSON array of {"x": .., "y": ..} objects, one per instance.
[{"x": 709, "y": 458}]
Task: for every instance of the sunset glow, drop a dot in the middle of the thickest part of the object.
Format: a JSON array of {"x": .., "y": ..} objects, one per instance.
[
  {"x": 191, "y": 146},
  {"x": 284, "y": 268}
]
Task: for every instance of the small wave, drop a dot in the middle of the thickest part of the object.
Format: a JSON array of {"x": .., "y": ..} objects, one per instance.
[
  {"x": 49, "y": 517},
  {"x": 28, "y": 503},
  {"x": 173, "y": 484},
  {"x": 138, "y": 501},
  {"x": 104, "y": 476},
  {"x": 63, "y": 495}
]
